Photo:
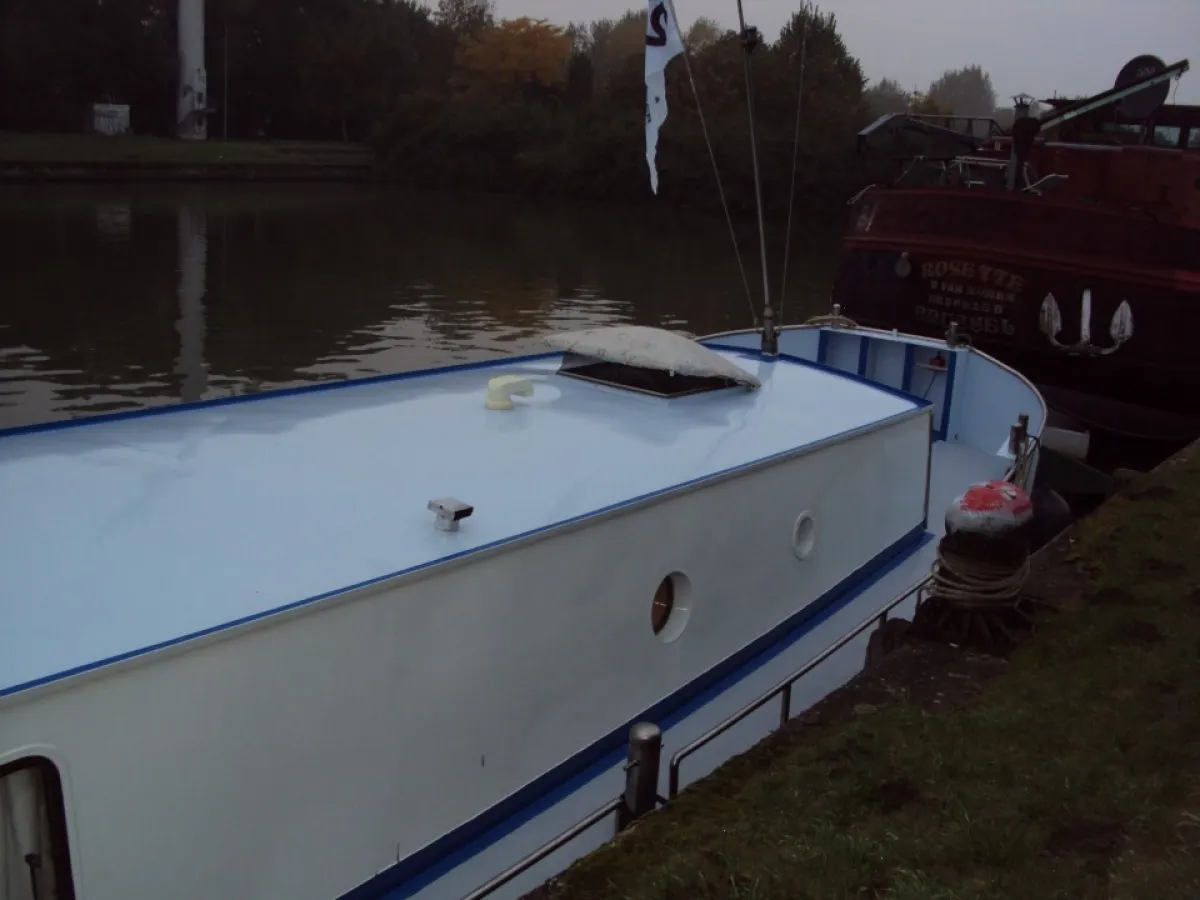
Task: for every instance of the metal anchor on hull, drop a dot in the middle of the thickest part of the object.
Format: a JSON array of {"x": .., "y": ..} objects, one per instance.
[{"x": 1120, "y": 327}]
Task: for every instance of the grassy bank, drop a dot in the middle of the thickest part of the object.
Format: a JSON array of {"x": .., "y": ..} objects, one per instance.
[
  {"x": 1070, "y": 770},
  {"x": 92, "y": 149}
]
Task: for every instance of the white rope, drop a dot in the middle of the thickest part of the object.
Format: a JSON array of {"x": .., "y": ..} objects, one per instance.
[
  {"x": 687, "y": 62},
  {"x": 787, "y": 243},
  {"x": 972, "y": 582}
]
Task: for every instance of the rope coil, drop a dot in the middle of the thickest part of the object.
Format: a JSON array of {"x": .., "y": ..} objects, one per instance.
[{"x": 971, "y": 583}]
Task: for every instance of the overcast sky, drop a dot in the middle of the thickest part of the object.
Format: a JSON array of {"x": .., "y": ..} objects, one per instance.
[{"x": 1034, "y": 46}]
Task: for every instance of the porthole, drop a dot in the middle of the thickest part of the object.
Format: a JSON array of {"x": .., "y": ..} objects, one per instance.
[
  {"x": 671, "y": 607},
  {"x": 804, "y": 535}
]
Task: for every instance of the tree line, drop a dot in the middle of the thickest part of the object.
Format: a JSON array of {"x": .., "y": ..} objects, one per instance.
[{"x": 455, "y": 97}]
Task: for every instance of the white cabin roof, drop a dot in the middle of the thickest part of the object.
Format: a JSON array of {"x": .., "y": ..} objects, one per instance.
[{"x": 130, "y": 532}]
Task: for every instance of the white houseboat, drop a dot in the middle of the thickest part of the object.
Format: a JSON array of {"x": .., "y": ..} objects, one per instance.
[{"x": 242, "y": 653}]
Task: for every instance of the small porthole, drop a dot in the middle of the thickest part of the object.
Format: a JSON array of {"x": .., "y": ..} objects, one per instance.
[
  {"x": 671, "y": 607},
  {"x": 804, "y": 535}
]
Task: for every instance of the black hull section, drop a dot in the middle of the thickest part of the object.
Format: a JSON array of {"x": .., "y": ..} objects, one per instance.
[{"x": 1132, "y": 371}]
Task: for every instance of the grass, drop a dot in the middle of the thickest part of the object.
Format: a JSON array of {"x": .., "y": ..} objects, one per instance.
[
  {"x": 1070, "y": 770},
  {"x": 95, "y": 149}
]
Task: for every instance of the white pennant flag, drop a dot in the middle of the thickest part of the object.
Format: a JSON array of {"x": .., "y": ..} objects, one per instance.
[{"x": 663, "y": 43}]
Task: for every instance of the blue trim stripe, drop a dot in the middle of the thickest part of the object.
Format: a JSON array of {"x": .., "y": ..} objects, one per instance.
[
  {"x": 435, "y": 860},
  {"x": 864, "y": 352},
  {"x": 948, "y": 394},
  {"x": 910, "y": 359},
  {"x": 259, "y": 397}
]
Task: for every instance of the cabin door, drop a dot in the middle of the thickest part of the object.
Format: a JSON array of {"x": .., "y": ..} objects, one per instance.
[{"x": 33, "y": 847}]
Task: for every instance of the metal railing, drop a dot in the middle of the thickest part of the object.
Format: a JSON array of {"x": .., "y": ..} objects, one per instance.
[
  {"x": 784, "y": 688},
  {"x": 640, "y": 798},
  {"x": 528, "y": 862},
  {"x": 645, "y": 741}
]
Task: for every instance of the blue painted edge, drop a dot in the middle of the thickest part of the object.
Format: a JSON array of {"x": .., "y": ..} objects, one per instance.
[
  {"x": 822, "y": 347},
  {"x": 948, "y": 394},
  {"x": 420, "y": 869},
  {"x": 917, "y": 402},
  {"x": 864, "y": 352},
  {"x": 910, "y": 361},
  {"x": 344, "y": 384}
]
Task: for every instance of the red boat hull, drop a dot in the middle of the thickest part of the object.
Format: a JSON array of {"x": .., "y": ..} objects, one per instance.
[{"x": 919, "y": 260}]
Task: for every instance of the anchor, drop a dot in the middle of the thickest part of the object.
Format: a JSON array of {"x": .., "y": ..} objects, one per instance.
[{"x": 1120, "y": 328}]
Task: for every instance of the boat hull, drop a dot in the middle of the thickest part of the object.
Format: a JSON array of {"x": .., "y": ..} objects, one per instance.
[
  {"x": 412, "y": 735},
  {"x": 1122, "y": 361},
  {"x": 472, "y": 690}
]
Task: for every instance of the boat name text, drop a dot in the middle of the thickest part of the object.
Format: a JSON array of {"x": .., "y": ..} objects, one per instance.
[
  {"x": 984, "y": 277},
  {"x": 975, "y": 324}
]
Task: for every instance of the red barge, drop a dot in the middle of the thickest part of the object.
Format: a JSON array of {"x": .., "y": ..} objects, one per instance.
[{"x": 1067, "y": 246}]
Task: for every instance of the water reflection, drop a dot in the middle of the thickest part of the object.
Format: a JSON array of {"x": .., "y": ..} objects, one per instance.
[
  {"x": 193, "y": 259},
  {"x": 117, "y": 297}
]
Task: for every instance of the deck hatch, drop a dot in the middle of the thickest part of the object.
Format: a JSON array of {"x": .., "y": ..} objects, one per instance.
[
  {"x": 657, "y": 382},
  {"x": 648, "y": 360}
]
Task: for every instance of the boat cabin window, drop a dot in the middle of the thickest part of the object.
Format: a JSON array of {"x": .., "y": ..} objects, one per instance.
[
  {"x": 657, "y": 382},
  {"x": 34, "y": 864},
  {"x": 1169, "y": 136},
  {"x": 1122, "y": 128},
  {"x": 1166, "y": 136}
]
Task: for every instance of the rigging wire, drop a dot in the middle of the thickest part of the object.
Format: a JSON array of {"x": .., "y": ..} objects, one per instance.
[
  {"x": 787, "y": 244},
  {"x": 687, "y": 62}
]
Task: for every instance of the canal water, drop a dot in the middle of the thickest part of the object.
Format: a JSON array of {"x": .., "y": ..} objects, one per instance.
[{"x": 116, "y": 297}]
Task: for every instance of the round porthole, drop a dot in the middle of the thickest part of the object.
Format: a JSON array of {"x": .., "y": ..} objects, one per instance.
[
  {"x": 671, "y": 607},
  {"x": 804, "y": 535}
]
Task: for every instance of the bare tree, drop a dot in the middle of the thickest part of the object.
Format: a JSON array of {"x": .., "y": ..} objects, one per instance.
[{"x": 466, "y": 17}]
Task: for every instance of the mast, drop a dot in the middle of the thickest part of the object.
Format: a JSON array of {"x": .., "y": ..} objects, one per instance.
[{"x": 750, "y": 40}]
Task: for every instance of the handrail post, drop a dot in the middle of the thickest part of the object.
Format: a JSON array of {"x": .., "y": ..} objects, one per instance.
[
  {"x": 785, "y": 705},
  {"x": 641, "y": 774}
]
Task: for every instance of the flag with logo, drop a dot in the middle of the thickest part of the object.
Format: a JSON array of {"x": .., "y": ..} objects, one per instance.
[{"x": 663, "y": 43}]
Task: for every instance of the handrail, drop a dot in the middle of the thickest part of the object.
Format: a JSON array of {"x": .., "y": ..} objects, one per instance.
[
  {"x": 784, "y": 687},
  {"x": 529, "y": 861},
  {"x": 613, "y": 806}
]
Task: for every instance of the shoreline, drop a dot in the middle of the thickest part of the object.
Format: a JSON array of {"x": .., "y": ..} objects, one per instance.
[
  {"x": 28, "y": 158},
  {"x": 52, "y": 172}
]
